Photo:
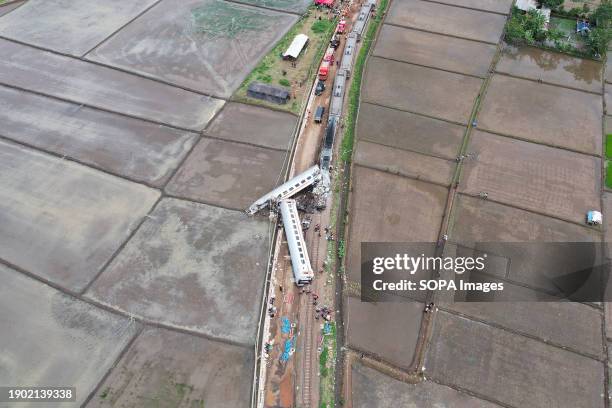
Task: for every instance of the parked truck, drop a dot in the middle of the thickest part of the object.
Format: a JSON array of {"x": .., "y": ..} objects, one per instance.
[{"x": 324, "y": 70}]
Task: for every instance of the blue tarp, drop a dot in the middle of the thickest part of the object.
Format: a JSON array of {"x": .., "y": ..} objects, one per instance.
[
  {"x": 285, "y": 325},
  {"x": 287, "y": 351}
]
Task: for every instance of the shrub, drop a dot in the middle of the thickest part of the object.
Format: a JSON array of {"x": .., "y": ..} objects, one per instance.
[
  {"x": 598, "y": 40},
  {"x": 321, "y": 26},
  {"x": 525, "y": 27},
  {"x": 602, "y": 16},
  {"x": 284, "y": 82},
  {"x": 265, "y": 78},
  {"x": 552, "y": 4}
]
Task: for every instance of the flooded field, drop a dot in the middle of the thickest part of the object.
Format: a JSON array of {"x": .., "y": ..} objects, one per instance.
[
  {"x": 420, "y": 90},
  {"x": 543, "y": 113},
  {"x": 63, "y": 221},
  {"x": 230, "y": 175},
  {"x": 404, "y": 163},
  {"x": 551, "y": 67},
  {"x": 408, "y": 131},
  {"x": 463, "y": 56},
  {"x": 103, "y": 88},
  {"x": 130, "y": 147},
  {"x": 253, "y": 125},
  {"x": 208, "y": 46},
  {"x": 449, "y": 20},
  {"x": 83, "y": 24},
  {"x": 190, "y": 247},
  {"x": 77, "y": 342}
]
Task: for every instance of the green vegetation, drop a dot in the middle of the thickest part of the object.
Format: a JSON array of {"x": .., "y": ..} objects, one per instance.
[
  {"x": 296, "y": 76},
  {"x": 106, "y": 390},
  {"x": 552, "y": 4},
  {"x": 602, "y": 16},
  {"x": 529, "y": 28},
  {"x": 322, "y": 26},
  {"x": 609, "y": 146},
  {"x": 525, "y": 28},
  {"x": 226, "y": 20},
  {"x": 326, "y": 367},
  {"x": 341, "y": 249},
  {"x": 348, "y": 141},
  {"x": 608, "y": 173}
]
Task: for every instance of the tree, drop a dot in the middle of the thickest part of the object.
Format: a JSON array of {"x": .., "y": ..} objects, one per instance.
[
  {"x": 534, "y": 23},
  {"x": 602, "y": 16},
  {"x": 552, "y": 4},
  {"x": 598, "y": 40},
  {"x": 515, "y": 33}
]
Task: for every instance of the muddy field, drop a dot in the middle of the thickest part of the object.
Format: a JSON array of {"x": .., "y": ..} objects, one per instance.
[
  {"x": 227, "y": 174},
  {"x": 462, "y": 349},
  {"x": 63, "y": 221},
  {"x": 496, "y": 6},
  {"x": 478, "y": 221},
  {"x": 404, "y": 130},
  {"x": 386, "y": 330},
  {"x": 130, "y": 147},
  {"x": 370, "y": 389},
  {"x": 421, "y": 90},
  {"x": 411, "y": 211},
  {"x": 571, "y": 325},
  {"x": 105, "y": 88},
  {"x": 444, "y": 19},
  {"x": 253, "y": 125},
  {"x": 212, "y": 259},
  {"x": 7, "y": 8},
  {"x": 169, "y": 369},
  {"x": 551, "y": 67},
  {"x": 83, "y": 24},
  {"x": 404, "y": 163},
  {"x": 209, "y": 46},
  {"x": 543, "y": 113},
  {"x": 448, "y": 53},
  {"x": 556, "y": 182},
  {"x": 56, "y": 340}
]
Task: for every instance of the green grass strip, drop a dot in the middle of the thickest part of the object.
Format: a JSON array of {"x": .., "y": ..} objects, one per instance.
[
  {"x": 608, "y": 173},
  {"x": 609, "y": 145}
]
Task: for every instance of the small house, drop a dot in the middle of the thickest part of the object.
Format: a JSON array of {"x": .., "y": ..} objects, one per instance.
[{"x": 269, "y": 93}]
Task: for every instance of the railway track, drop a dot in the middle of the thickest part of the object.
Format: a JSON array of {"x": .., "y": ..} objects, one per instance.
[{"x": 309, "y": 329}]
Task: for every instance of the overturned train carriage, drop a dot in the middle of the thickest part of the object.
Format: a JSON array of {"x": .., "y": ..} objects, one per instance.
[{"x": 300, "y": 261}]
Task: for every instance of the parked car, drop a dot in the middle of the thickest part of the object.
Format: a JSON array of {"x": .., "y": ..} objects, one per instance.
[
  {"x": 320, "y": 88},
  {"x": 318, "y": 117}
]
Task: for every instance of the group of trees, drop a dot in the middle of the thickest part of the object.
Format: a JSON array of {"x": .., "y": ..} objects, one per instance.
[
  {"x": 529, "y": 28},
  {"x": 526, "y": 28}
]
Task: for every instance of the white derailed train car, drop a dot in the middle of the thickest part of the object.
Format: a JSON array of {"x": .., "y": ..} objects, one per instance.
[
  {"x": 300, "y": 261},
  {"x": 287, "y": 189}
]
